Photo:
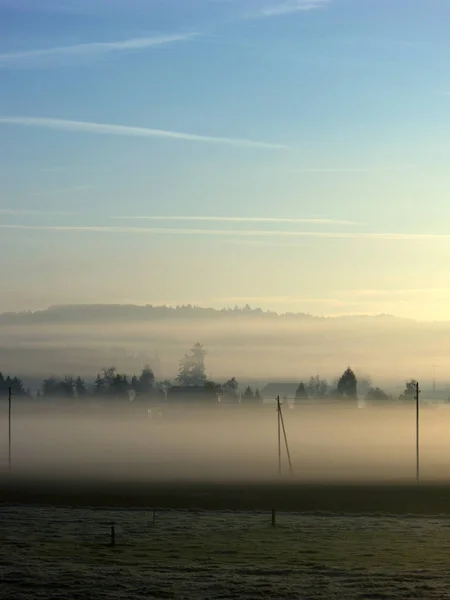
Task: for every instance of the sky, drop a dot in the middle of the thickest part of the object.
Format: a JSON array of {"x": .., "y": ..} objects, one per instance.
[{"x": 290, "y": 154}]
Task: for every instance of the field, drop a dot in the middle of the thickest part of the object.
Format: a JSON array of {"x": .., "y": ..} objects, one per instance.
[
  {"x": 63, "y": 553},
  {"x": 351, "y": 522}
]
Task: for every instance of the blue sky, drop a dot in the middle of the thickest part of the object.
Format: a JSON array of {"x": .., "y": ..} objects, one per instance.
[{"x": 291, "y": 154}]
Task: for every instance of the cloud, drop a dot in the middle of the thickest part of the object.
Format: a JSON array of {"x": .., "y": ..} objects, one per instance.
[
  {"x": 257, "y": 9},
  {"x": 292, "y": 6},
  {"x": 394, "y": 293},
  {"x": 124, "y": 130},
  {"x": 60, "y": 54},
  {"x": 242, "y": 219},
  {"x": 265, "y": 243},
  {"x": 249, "y": 233},
  {"x": 30, "y": 212},
  {"x": 320, "y": 170},
  {"x": 277, "y": 300}
]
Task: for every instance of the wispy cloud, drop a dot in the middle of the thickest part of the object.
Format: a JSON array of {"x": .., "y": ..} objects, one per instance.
[
  {"x": 313, "y": 221},
  {"x": 270, "y": 244},
  {"x": 245, "y": 233},
  {"x": 30, "y": 212},
  {"x": 257, "y": 9},
  {"x": 124, "y": 130},
  {"x": 277, "y": 300},
  {"x": 61, "y": 54},
  {"x": 292, "y": 6},
  {"x": 320, "y": 170},
  {"x": 396, "y": 293}
]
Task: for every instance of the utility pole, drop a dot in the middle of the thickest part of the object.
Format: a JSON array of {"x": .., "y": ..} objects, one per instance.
[
  {"x": 279, "y": 434},
  {"x": 417, "y": 431},
  {"x": 9, "y": 428},
  {"x": 281, "y": 425},
  {"x": 286, "y": 442}
]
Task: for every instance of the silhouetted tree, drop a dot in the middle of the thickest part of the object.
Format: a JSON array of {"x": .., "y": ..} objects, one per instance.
[
  {"x": 99, "y": 387},
  {"x": 214, "y": 388},
  {"x": 258, "y": 397},
  {"x": 111, "y": 383},
  {"x": 50, "y": 387},
  {"x": 192, "y": 367},
  {"x": 377, "y": 394},
  {"x": 248, "y": 394},
  {"x": 347, "y": 384},
  {"x": 146, "y": 382},
  {"x": 134, "y": 384},
  {"x": 301, "y": 393},
  {"x": 409, "y": 392},
  {"x": 16, "y": 385},
  {"x": 230, "y": 388},
  {"x": 80, "y": 387},
  {"x": 66, "y": 387},
  {"x": 317, "y": 387}
]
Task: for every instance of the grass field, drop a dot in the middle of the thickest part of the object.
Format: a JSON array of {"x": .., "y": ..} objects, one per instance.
[
  {"x": 63, "y": 553},
  {"x": 350, "y": 522}
]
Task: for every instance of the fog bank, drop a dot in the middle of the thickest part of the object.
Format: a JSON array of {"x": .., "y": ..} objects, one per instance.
[{"x": 228, "y": 443}]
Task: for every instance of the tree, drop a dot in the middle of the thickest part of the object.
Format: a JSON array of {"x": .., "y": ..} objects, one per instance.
[
  {"x": 409, "y": 393},
  {"x": 146, "y": 382},
  {"x": 66, "y": 387},
  {"x": 213, "y": 387},
  {"x": 230, "y": 388},
  {"x": 111, "y": 383},
  {"x": 317, "y": 387},
  {"x": 16, "y": 385},
  {"x": 50, "y": 387},
  {"x": 347, "y": 384},
  {"x": 99, "y": 387},
  {"x": 119, "y": 386},
  {"x": 376, "y": 394},
  {"x": 80, "y": 387},
  {"x": 192, "y": 367},
  {"x": 258, "y": 396},
  {"x": 248, "y": 394},
  {"x": 301, "y": 393}
]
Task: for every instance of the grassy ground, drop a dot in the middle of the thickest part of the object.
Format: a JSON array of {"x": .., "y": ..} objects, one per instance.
[
  {"x": 63, "y": 553},
  {"x": 387, "y": 498}
]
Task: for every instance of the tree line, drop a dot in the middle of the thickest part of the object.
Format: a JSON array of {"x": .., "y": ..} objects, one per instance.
[{"x": 192, "y": 373}]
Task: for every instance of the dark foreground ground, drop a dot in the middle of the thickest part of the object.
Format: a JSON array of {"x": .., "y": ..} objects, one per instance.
[
  {"x": 349, "y": 542},
  {"x": 63, "y": 553},
  {"x": 357, "y": 498}
]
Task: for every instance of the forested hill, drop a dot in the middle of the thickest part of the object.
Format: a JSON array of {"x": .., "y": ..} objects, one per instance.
[
  {"x": 129, "y": 312},
  {"x": 241, "y": 342}
]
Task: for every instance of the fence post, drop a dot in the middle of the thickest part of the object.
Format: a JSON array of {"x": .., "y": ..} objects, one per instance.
[
  {"x": 274, "y": 517},
  {"x": 113, "y": 536}
]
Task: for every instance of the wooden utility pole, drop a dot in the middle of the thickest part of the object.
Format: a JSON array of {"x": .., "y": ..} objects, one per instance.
[
  {"x": 281, "y": 425},
  {"x": 9, "y": 429},
  {"x": 279, "y": 433},
  {"x": 417, "y": 432},
  {"x": 286, "y": 442}
]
